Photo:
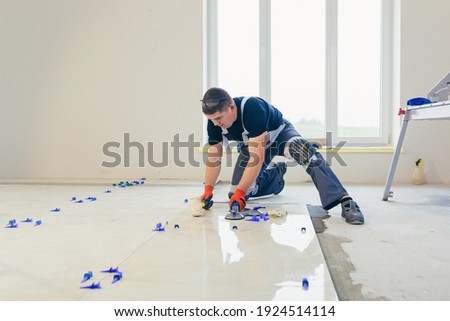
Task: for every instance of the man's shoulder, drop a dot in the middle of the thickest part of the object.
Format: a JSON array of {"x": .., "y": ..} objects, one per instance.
[
  {"x": 255, "y": 104},
  {"x": 249, "y": 99}
]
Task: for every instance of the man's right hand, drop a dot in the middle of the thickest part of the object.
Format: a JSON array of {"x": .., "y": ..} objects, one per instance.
[{"x": 207, "y": 196}]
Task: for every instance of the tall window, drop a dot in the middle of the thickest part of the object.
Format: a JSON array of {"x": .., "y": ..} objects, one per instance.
[
  {"x": 238, "y": 46},
  {"x": 320, "y": 62},
  {"x": 359, "y": 68},
  {"x": 298, "y": 63}
]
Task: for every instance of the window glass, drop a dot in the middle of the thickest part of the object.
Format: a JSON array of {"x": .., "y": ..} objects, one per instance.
[
  {"x": 238, "y": 46},
  {"x": 359, "y": 68},
  {"x": 298, "y": 63}
]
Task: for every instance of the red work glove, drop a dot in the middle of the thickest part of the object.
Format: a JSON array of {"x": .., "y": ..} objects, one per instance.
[
  {"x": 206, "y": 198},
  {"x": 238, "y": 197}
]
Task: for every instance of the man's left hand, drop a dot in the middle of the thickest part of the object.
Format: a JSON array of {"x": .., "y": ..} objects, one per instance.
[{"x": 238, "y": 197}]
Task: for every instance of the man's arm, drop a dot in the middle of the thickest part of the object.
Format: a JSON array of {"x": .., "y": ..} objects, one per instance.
[
  {"x": 256, "y": 150},
  {"x": 213, "y": 164}
]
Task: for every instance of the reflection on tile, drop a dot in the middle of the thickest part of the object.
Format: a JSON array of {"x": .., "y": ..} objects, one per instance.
[
  {"x": 290, "y": 233},
  {"x": 229, "y": 244},
  {"x": 295, "y": 289}
]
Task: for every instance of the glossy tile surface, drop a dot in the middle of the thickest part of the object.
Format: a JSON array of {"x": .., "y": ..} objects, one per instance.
[{"x": 206, "y": 258}]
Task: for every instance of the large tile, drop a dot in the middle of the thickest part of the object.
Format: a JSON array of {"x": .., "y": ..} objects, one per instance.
[{"x": 205, "y": 259}]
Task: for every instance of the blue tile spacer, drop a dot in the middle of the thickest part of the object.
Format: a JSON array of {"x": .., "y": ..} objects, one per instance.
[
  {"x": 305, "y": 284},
  {"x": 117, "y": 277},
  {"x": 12, "y": 224},
  {"x": 111, "y": 270},
  {"x": 87, "y": 276},
  {"x": 253, "y": 219},
  {"x": 159, "y": 228},
  {"x": 92, "y": 286}
]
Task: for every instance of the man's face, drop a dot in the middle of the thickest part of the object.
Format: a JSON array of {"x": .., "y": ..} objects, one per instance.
[{"x": 225, "y": 118}]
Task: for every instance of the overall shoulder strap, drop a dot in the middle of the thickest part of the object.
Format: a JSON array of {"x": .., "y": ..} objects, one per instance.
[
  {"x": 242, "y": 113},
  {"x": 245, "y": 132}
]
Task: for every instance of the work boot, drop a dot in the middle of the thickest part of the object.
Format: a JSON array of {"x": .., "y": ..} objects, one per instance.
[
  {"x": 281, "y": 167},
  {"x": 351, "y": 212}
]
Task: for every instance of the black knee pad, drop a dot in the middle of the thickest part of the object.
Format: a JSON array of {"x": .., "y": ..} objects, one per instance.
[{"x": 301, "y": 150}]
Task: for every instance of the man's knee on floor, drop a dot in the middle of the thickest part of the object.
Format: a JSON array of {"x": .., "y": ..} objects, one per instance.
[{"x": 300, "y": 150}]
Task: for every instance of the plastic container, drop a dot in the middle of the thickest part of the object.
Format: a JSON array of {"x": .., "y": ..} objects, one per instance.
[{"x": 418, "y": 177}]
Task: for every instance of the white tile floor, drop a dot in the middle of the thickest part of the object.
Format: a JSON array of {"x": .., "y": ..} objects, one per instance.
[{"x": 205, "y": 259}]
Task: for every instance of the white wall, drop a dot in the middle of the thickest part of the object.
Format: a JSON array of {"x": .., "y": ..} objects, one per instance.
[
  {"x": 425, "y": 59},
  {"x": 75, "y": 75}
]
